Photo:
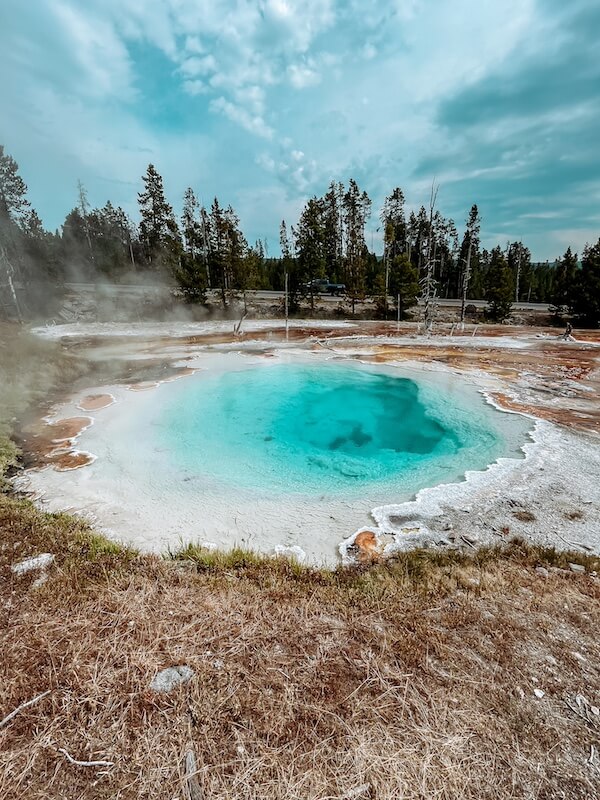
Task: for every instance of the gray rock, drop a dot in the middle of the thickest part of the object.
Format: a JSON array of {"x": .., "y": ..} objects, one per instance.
[
  {"x": 542, "y": 572},
  {"x": 168, "y": 679},
  {"x": 576, "y": 567},
  {"x": 37, "y": 562}
]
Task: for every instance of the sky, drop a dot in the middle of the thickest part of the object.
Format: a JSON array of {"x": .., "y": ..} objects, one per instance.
[{"x": 263, "y": 103}]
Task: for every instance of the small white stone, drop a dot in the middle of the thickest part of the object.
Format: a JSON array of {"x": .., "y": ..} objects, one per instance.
[
  {"x": 539, "y": 693},
  {"x": 170, "y": 678},
  {"x": 37, "y": 562}
]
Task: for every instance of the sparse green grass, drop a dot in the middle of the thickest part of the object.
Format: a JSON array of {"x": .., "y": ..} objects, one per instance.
[{"x": 9, "y": 453}]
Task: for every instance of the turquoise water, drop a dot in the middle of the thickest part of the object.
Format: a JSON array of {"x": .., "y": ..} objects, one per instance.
[{"x": 331, "y": 428}]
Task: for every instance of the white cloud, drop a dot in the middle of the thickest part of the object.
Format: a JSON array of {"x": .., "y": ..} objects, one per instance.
[
  {"x": 301, "y": 76},
  {"x": 293, "y": 168},
  {"x": 253, "y": 123},
  {"x": 196, "y": 65},
  {"x": 195, "y": 87},
  {"x": 376, "y": 75},
  {"x": 252, "y": 97}
]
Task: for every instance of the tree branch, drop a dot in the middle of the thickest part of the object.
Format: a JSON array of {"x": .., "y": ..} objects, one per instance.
[
  {"x": 77, "y": 763},
  {"x": 20, "y": 708}
]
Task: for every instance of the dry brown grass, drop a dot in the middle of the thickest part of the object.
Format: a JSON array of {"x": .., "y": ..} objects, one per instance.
[
  {"x": 414, "y": 677},
  {"x": 524, "y": 515}
]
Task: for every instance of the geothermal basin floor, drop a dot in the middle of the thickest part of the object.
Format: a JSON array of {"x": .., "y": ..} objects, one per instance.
[{"x": 549, "y": 493}]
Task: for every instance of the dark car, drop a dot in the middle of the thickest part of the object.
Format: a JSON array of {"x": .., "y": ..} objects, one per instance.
[{"x": 324, "y": 286}]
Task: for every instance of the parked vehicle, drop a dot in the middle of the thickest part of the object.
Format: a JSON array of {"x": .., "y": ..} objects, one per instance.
[{"x": 324, "y": 286}]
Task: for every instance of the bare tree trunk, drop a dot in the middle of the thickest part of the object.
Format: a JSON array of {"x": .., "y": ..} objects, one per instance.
[
  {"x": 465, "y": 283},
  {"x": 8, "y": 268},
  {"x": 131, "y": 256},
  {"x": 286, "y": 305},
  {"x": 428, "y": 282}
]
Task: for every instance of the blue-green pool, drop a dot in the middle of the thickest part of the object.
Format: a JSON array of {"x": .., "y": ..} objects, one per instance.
[{"x": 331, "y": 427}]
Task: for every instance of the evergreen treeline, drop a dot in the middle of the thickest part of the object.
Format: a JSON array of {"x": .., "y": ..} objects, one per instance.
[{"x": 206, "y": 249}]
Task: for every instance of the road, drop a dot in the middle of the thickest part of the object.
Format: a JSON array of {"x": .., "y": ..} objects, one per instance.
[{"x": 134, "y": 290}]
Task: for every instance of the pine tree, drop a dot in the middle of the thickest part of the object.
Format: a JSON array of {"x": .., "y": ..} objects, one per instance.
[
  {"x": 158, "y": 229},
  {"x": 586, "y": 294},
  {"x": 190, "y": 224},
  {"x": 448, "y": 248},
  {"x": 236, "y": 252},
  {"x": 217, "y": 242},
  {"x": 469, "y": 259},
  {"x": 500, "y": 287},
  {"x": 519, "y": 262},
  {"x": 394, "y": 227},
  {"x": 191, "y": 279},
  {"x": 255, "y": 266},
  {"x": 332, "y": 226},
  {"x": 191, "y": 275},
  {"x": 227, "y": 252},
  {"x": 403, "y": 284},
  {"x": 13, "y": 189},
  {"x": 25, "y": 264},
  {"x": 310, "y": 251},
  {"x": 562, "y": 297},
  {"x": 356, "y": 212}
]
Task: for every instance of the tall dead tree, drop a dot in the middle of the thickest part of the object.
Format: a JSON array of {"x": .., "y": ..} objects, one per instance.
[
  {"x": 469, "y": 256},
  {"x": 7, "y": 274},
  {"x": 427, "y": 282},
  {"x": 84, "y": 210},
  {"x": 466, "y": 277}
]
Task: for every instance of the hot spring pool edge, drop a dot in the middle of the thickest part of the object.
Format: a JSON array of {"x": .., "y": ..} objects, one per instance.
[{"x": 422, "y": 503}]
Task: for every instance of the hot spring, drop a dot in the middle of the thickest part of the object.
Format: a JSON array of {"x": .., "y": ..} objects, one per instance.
[
  {"x": 283, "y": 451},
  {"x": 324, "y": 428}
]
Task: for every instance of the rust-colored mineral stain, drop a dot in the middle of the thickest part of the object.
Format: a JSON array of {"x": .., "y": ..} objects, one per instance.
[
  {"x": 64, "y": 462},
  {"x": 65, "y": 429},
  {"x": 46, "y": 441},
  {"x": 94, "y": 402},
  {"x": 368, "y": 547},
  {"x": 569, "y": 417}
]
